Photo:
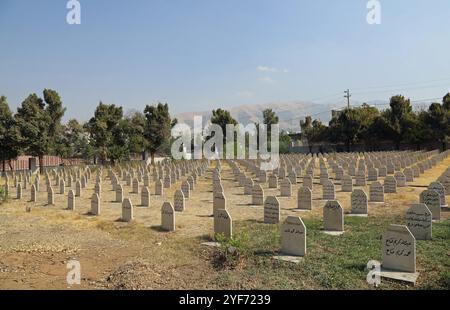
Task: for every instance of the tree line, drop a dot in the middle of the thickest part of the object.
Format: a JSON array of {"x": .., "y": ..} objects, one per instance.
[
  {"x": 36, "y": 129},
  {"x": 368, "y": 126}
]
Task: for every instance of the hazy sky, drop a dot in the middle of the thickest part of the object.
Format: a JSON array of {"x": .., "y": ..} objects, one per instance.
[{"x": 202, "y": 54}]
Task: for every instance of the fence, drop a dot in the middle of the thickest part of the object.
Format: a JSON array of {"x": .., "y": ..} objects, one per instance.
[{"x": 23, "y": 162}]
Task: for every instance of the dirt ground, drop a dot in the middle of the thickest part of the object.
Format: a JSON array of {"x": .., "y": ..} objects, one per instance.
[{"x": 36, "y": 246}]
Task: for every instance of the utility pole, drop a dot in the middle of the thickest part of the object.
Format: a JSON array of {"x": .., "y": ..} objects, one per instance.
[{"x": 347, "y": 95}]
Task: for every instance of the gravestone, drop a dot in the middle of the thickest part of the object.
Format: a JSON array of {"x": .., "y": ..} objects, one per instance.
[
  {"x": 145, "y": 197},
  {"x": 262, "y": 176},
  {"x": 272, "y": 210},
  {"x": 304, "y": 198},
  {"x": 248, "y": 186},
  {"x": 19, "y": 191},
  {"x": 347, "y": 183},
  {"x": 119, "y": 193},
  {"x": 382, "y": 171},
  {"x": 400, "y": 178},
  {"x": 78, "y": 189},
  {"x": 135, "y": 186},
  {"x": 71, "y": 200},
  {"x": 360, "y": 178},
  {"x": 286, "y": 188},
  {"x": 95, "y": 204},
  {"x": 308, "y": 181},
  {"x": 293, "y": 237},
  {"x": 273, "y": 181},
  {"x": 328, "y": 190},
  {"x": 432, "y": 199},
  {"x": 438, "y": 187},
  {"x": 223, "y": 223},
  {"x": 186, "y": 189},
  {"x": 127, "y": 210},
  {"x": 50, "y": 196},
  {"x": 219, "y": 201},
  {"x": 359, "y": 202},
  {"x": 257, "y": 195},
  {"x": 159, "y": 189},
  {"x": 168, "y": 217},
  {"x": 390, "y": 185},
  {"x": 98, "y": 189},
  {"x": 409, "y": 176},
  {"x": 399, "y": 249},
  {"x": 333, "y": 217},
  {"x": 191, "y": 182},
  {"x": 62, "y": 187},
  {"x": 292, "y": 177},
  {"x": 372, "y": 174},
  {"x": 419, "y": 221},
  {"x": 167, "y": 181},
  {"x": 179, "y": 201},
  {"x": 376, "y": 192}
]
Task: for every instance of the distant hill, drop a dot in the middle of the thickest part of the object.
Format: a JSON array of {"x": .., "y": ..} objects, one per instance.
[{"x": 289, "y": 113}]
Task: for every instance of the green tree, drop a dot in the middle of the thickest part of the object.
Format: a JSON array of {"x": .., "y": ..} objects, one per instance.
[
  {"x": 33, "y": 122},
  {"x": 285, "y": 142},
  {"x": 438, "y": 120},
  {"x": 157, "y": 129},
  {"x": 75, "y": 141},
  {"x": 399, "y": 118},
  {"x": 222, "y": 118},
  {"x": 9, "y": 134},
  {"x": 269, "y": 118},
  {"x": 313, "y": 131},
  {"x": 101, "y": 128},
  {"x": 55, "y": 110}
]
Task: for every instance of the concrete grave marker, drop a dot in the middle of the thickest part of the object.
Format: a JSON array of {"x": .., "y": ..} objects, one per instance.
[
  {"x": 223, "y": 223},
  {"x": 419, "y": 221},
  {"x": 333, "y": 218},
  {"x": 168, "y": 217},
  {"x": 286, "y": 188},
  {"x": 257, "y": 195},
  {"x": 71, "y": 200},
  {"x": 127, "y": 210},
  {"x": 304, "y": 198},
  {"x": 95, "y": 204},
  {"x": 399, "y": 254},
  {"x": 272, "y": 210},
  {"x": 179, "y": 201},
  {"x": 432, "y": 199},
  {"x": 145, "y": 197},
  {"x": 359, "y": 202}
]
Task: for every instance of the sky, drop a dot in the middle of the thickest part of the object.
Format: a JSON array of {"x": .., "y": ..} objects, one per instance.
[{"x": 198, "y": 55}]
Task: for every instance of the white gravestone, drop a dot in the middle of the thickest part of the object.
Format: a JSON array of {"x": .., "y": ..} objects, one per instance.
[
  {"x": 179, "y": 201},
  {"x": 359, "y": 202},
  {"x": 433, "y": 201},
  {"x": 419, "y": 221},
  {"x": 223, "y": 223},
  {"x": 168, "y": 217},
  {"x": 304, "y": 198},
  {"x": 333, "y": 217},
  {"x": 293, "y": 237},
  {"x": 272, "y": 210}
]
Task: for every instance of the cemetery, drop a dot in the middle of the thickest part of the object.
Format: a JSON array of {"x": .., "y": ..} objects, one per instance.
[
  {"x": 271, "y": 147},
  {"x": 156, "y": 221}
]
